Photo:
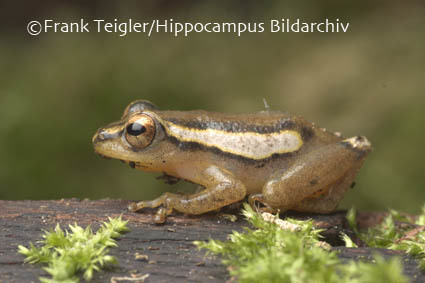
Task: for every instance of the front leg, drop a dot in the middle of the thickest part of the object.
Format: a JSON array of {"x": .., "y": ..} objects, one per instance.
[{"x": 221, "y": 189}]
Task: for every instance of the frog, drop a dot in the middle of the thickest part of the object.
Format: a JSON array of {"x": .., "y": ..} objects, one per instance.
[{"x": 274, "y": 160}]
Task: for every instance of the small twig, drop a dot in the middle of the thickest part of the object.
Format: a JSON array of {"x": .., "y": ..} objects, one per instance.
[
  {"x": 406, "y": 225},
  {"x": 140, "y": 279},
  {"x": 411, "y": 234}
]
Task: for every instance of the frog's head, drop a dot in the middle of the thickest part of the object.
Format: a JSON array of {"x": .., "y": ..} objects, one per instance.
[{"x": 135, "y": 139}]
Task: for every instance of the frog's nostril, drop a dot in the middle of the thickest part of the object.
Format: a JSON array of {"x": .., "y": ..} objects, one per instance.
[
  {"x": 101, "y": 136},
  {"x": 105, "y": 134}
]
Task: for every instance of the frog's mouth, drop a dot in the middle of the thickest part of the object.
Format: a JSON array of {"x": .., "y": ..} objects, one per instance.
[
  {"x": 107, "y": 143},
  {"x": 132, "y": 164},
  {"x": 104, "y": 156}
]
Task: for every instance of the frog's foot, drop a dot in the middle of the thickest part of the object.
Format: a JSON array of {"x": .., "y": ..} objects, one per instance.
[
  {"x": 162, "y": 212},
  {"x": 258, "y": 198},
  {"x": 136, "y": 206},
  {"x": 161, "y": 215}
]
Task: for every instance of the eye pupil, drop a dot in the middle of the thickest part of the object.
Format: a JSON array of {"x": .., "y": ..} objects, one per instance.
[{"x": 135, "y": 129}]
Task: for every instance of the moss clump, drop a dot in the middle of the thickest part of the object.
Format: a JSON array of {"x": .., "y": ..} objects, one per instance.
[
  {"x": 270, "y": 253},
  {"x": 396, "y": 232},
  {"x": 67, "y": 253}
]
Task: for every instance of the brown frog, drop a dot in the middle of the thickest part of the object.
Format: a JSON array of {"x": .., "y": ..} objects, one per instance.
[{"x": 281, "y": 162}]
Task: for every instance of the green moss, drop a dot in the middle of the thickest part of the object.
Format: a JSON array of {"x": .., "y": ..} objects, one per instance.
[
  {"x": 269, "y": 253},
  {"x": 78, "y": 250},
  {"x": 408, "y": 236}
]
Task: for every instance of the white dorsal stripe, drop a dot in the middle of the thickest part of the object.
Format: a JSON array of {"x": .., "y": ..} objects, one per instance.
[{"x": 248, "y": 144}]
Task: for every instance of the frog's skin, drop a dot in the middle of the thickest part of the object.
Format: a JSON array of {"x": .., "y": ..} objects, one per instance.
[{"x": 280, "y": 161}]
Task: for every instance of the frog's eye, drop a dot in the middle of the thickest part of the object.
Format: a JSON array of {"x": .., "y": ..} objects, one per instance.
[{"x": 140, "y": 131}]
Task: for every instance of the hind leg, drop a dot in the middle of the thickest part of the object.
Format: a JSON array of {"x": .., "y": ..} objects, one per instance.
[
  {"x": 329, "y": 200},
  {"x": 316, "y": 181}
]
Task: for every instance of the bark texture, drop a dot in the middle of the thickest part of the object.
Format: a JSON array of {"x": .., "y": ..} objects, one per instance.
[{"x": 165, "y": 252}]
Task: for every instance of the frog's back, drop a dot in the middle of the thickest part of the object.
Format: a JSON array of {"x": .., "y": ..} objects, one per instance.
[
  {"x": 259, "y": 123},
  {"x": 265, "y": 121}
]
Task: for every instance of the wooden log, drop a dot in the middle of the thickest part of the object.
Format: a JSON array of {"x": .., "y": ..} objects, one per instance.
[{"x": 165, "y": 252}]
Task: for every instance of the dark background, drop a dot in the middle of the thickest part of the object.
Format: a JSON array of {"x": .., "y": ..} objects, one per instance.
[{"x": 57, "y": 89}]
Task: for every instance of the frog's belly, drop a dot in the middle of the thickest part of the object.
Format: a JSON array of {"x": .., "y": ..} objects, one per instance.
[
  {"x": 254, "y": 177},
  {"x": 254, "y": 183}
]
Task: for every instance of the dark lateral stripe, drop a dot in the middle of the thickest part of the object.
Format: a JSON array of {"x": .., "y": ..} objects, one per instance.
[{"x": 235, "y": 127}]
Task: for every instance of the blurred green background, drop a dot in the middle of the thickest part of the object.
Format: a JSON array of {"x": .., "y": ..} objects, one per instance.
[{"x": 57, "y": 89}]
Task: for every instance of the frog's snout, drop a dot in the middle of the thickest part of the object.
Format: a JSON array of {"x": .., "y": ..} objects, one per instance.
[
  {"x": 100, "y": 142},
  {"x": 99, "y": 136},
  {"x": 104, "y": 134}
]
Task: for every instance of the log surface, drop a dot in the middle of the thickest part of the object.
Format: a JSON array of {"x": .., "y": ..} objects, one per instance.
[{"x": 171, "y": 256}]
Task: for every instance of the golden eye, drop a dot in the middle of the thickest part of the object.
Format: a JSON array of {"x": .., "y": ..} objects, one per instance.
[{"x": 140, "y": 131}]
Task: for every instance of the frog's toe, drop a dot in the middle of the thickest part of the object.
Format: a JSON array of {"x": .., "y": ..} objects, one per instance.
[
  {"x": 134, "y": 206},
  {"x": 253, "y": 199},
  {"x": 257, "y": 202},
  {"x": 161, "y": 214},
  {"x": 267, "y": 209}
]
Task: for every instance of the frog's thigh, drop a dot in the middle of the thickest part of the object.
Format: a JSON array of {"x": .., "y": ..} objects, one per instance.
[
  {"x": 310, "y": 174},
  {"x": 222, "y": 188},
  {"x": 328, "y": 201}
]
